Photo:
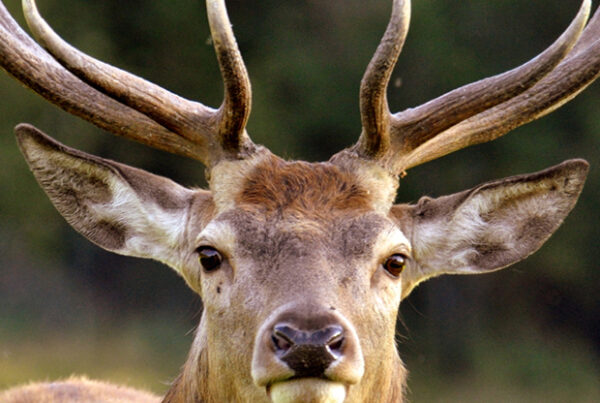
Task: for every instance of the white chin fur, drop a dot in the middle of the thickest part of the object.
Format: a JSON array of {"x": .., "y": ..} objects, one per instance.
[{"x": 309, "y": 390}]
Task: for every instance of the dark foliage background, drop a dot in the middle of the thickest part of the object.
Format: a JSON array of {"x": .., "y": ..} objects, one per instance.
[{"x": 528, "y": 333}]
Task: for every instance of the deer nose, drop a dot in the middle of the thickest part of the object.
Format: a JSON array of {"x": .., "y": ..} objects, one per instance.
[
  {"x": 308, "y": 352},
  {"x": 304, "y": 341}
]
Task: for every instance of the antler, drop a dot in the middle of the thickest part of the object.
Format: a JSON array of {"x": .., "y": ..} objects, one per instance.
[
  {"x": 127, "y": 105},
  {"x": 478, "y": 112},
  {"x": 374, "y": 109}
]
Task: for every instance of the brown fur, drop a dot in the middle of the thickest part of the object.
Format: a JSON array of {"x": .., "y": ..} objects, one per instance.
[
  {"x": 318, "y": 188},
  {"x": 76, "y": 390}
]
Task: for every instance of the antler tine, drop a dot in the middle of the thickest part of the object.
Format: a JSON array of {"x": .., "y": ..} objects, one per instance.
[
  {"x": 235, "y": 110},
  {"x": 374, "y": 109},
  {"x": 548, "y": 95},
  {"x": 185, "y": 121},
  {"x": 578, "y": 70},
  {"x": 590, "y": 34},
  {"x": 21, "y": 57},
  {"x": 415, "y": 126},
  {"x": 173, "y": 112}
]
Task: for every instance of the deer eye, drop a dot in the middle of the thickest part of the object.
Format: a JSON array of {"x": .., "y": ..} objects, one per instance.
[
  {"x": 210, "y": 258},
  {"x": 395, "y": 264}
]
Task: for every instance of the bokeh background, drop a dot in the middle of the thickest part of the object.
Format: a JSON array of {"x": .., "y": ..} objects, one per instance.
[{"x": 530, "y": 333}]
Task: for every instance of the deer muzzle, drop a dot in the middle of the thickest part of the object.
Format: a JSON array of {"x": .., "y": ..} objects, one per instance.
[{"x": 307, "y": 353}]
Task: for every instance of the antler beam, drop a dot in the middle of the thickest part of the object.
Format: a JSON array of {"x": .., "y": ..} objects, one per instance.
[
  {"x": 578, "y": 69},
  {"x": 127, "y": 105},
  {"x": 478, "y": 112}
]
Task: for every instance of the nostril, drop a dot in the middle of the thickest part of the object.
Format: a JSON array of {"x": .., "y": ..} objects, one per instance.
[
  {"x": 335, "y": 345},
  {"x": 283, "y": 338},
  {"x": 333, "y": 338},
  {"x": 281, "y": 345}
]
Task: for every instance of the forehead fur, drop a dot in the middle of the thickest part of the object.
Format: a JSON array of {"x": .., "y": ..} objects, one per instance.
[{"x": 308, "y": 189}]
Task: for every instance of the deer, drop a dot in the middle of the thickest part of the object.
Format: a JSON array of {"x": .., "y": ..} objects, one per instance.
[{"x": 301, "y": 266}]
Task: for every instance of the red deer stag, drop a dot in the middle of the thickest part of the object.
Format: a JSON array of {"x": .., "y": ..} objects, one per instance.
[{"x": 268, "y": 225}]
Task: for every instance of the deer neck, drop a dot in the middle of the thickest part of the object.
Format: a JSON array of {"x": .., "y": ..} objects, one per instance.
[{"x": 205, "y": 380}]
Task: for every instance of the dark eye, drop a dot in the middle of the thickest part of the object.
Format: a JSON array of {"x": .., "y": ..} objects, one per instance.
[
  {"x": 395, "y": 264},
  {"x": 210, "y": 258}
]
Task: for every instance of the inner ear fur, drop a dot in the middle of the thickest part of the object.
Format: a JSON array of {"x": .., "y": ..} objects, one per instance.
[
  {"x": 120, "y": 208},
  {"x": 490, "y": 226}
]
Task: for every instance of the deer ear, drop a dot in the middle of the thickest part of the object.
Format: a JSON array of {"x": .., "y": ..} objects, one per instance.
[
  {"x": 492, "y": 225},
  {"x": 120, "y": 208}
]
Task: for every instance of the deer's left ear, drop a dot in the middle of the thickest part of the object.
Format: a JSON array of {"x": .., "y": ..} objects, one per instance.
[
  {"x": 120, "y": 208},
  {"x": 490, "y": 226}
]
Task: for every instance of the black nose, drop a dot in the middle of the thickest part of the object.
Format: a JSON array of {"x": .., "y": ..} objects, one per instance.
[{"x": 308, "y": 352}]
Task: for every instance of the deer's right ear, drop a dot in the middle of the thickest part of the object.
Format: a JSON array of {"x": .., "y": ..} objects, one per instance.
[
  {"x": 490, "y": 226},
  {"x": 120, "y": 208}
]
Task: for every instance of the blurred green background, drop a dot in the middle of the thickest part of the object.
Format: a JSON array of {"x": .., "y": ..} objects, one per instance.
[{"x": 530, "y": 333}]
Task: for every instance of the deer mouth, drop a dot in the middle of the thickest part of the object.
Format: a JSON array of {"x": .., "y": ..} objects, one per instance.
[{"x": 303, "y": 390}]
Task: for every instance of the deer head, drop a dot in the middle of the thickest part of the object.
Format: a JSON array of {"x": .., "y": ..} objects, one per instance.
[{"x": 301, "y": 266}]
